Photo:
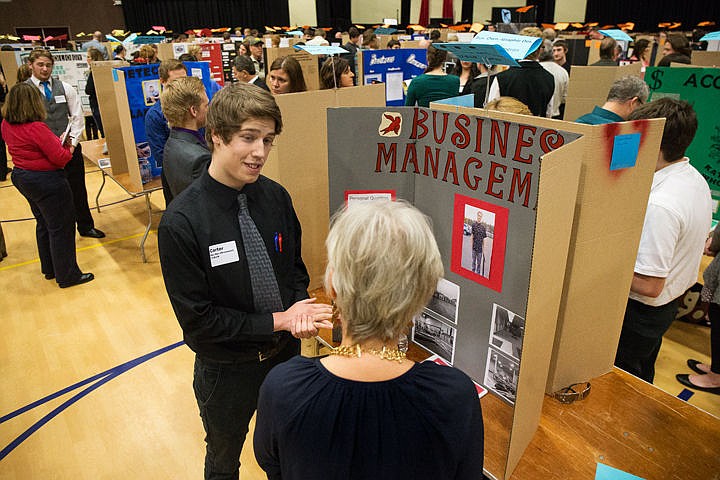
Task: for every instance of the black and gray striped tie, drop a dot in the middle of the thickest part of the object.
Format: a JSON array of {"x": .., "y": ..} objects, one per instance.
[{"x": 266, "y": 293}]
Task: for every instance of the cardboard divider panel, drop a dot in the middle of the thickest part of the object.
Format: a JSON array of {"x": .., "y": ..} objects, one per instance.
[
  {"x": 589, "y": 87},
  {"x": 309, "y": 64}
]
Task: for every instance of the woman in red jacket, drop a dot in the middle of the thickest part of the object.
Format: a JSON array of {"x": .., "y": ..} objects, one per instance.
[{"x": 38, "y": 158}]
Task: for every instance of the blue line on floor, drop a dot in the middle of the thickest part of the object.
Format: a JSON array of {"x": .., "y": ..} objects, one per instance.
[{"x": 102, "y": 379}]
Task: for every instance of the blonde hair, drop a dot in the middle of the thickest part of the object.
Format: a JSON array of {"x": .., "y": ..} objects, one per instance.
[
  {"x": 383, "y": 265},
  {"x": 510, "y": 105},
  {"x": 195, "y": 51},
  {"x": 177, "y": 98}
]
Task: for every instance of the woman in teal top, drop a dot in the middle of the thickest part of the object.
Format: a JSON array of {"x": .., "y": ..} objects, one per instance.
[{"x": 434, "y": 84}]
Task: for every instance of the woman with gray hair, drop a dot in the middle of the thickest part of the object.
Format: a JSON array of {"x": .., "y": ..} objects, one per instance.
[{"x": 365, "y": 411}]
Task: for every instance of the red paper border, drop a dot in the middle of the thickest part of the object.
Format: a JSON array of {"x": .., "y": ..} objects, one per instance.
[{"x": 497, "y": 265}]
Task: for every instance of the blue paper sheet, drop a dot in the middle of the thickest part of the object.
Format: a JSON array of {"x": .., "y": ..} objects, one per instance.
[
  {"x": 617, "y": 35},
  {"x": 461, "y": 101},
  {"x": 711, "y": 36},
  {"x": 518, "y": 46},
  {"x": 321, "y": 49},
  {"x": 625, "y": 151},
  {"x": 605, "y": 472},
  {"x": 479, "y": 53}
]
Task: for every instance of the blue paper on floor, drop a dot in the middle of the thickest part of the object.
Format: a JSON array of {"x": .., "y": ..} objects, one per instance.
[
  {"x": 605, "y": 472},
  {"x": 686, "y": 394}
]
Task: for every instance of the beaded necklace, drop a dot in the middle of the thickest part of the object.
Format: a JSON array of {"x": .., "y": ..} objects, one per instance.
[{"x": 356, "y": 351}]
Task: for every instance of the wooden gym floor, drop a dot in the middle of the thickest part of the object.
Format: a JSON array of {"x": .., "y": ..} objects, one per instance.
[{"x": 118, "y": 415}]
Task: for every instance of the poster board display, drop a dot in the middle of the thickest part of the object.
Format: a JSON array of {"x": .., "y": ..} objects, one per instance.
[
  {"x": 393, "y": 68},
  {"x": 229, "y": 52},
  {"x": 589, "y": 87},
  {"x": 299, "y": 161},
  {"x": 596, "y": 278},
  {"x": 69, "y": 67},
  {"x": 210, "y": 52},
  {"x": 309, "y": 63},
  {"x": 700, "y": 87},
  {"x": 124, "y": 97},
  {"x": 502, "y": 209}
]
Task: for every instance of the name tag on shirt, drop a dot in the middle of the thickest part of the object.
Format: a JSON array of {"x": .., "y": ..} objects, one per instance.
[
  {"x": 60, "y": 99},
  {"x": 223, "y": 253}
]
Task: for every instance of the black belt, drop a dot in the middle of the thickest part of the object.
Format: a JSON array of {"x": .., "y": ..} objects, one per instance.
[{"x": 259, "y": 354}]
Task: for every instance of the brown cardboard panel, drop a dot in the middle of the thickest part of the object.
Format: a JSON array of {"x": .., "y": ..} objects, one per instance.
[
  {"x": 127, "y": 163},
  {"x": 9, "y": 63},
  {"x": 109, "y": 111},
  {"x": 299, "y": 161},
  {"x": 705, "y": 59},
  {"x": 559, "y": 177},
  {"x": 589, "y": 86},
  {"x": 410, "y": 44},
  {"x": 165, "y": 51},
  {"x": 308, "y": 63},
  {"x": 609, "y": 216}
]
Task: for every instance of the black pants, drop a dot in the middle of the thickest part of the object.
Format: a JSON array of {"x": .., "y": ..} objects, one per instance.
[
  {"x": 227, "y": 395},
  {"x": 50, "y": 199},
  {"x": 75, "y": 170},
  {"x": 641, "y": 337},
  {"x": 3, "y": 159}
]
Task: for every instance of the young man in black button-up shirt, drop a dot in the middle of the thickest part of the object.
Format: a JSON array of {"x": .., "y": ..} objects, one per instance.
[{"x": 208, "y": 280}]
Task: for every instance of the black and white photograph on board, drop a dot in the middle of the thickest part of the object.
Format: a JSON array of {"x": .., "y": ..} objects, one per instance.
[
  {"x": 501, "y": 374},
  {"x": 434, "y": 335},
  {"x": 444, "y": 301},
  {"x": 506, "y": 331}
]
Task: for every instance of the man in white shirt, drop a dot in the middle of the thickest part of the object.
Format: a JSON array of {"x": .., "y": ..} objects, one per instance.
[
  {"x": 561, "y": 77},
  {"x": 676, "y": 225},
  {"x": 63, "y": 105}
]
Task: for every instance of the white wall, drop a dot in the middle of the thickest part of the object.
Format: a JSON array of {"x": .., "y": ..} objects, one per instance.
[
  {"x": 570, "y": 11},
  {"x": 373, "y": 11},
  {"x": 302, "y": 12}
]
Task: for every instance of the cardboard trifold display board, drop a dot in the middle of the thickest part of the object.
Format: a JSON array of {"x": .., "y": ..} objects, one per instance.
[
  {"x": 589, "y": 86},
  {"x": 544, "y": 190}
]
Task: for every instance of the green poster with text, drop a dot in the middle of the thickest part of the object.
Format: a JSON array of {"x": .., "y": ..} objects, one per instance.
[{"x": 701, "y": 88}]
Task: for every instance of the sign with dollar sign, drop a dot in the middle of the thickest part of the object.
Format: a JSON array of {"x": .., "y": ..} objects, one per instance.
[{"x": 701, "y": 88}]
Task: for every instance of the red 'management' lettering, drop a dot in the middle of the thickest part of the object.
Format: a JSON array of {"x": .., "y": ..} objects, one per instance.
[
  {"x": 496, "y": 177},
  {"x": 389, "y": 156},
  {"x": 433, "y": 161},
  {"x": 419, "y": 118},
  {"x": 475, "y": 181},
  {"x": 461, "y": 138},
  {"x": 522, "y": 143},
  {"x": 445, "y": 117},
  {"x": 496, "y": 136},
  {"x": 551, "y": 139},
  {"x": 522, "y": 186},
  {"x": 478, "y": 135},
  {"x": 450, "y": 167},
  {"x": 410, "y": 157}
]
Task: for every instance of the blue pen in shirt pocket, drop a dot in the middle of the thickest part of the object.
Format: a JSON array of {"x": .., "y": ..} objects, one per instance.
[{"x": 278, "y": 242}]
